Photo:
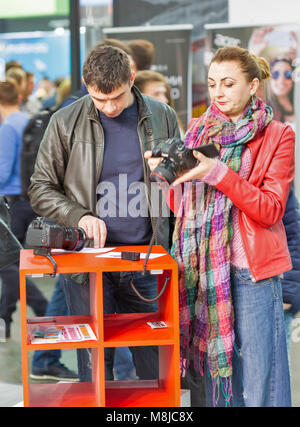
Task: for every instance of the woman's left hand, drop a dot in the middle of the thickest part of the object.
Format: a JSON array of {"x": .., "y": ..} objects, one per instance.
[{"x": 203, "y": 168}]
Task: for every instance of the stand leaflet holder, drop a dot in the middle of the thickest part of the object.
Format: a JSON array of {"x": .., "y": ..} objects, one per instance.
[{"x": 114, "y": 330}]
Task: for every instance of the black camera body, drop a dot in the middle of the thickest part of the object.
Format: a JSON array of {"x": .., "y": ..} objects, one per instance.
[
  {"x": 45, "y": 233},
  {"x": 178, "y": 159}
]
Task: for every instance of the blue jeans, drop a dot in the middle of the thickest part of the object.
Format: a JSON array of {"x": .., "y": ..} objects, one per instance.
[
  {"x": 118, "y": 297},
  {"x": 260, "y": 364},
  {"x": 56, "y": 307},
  {"x": 288, "y": 320},
  {"x": 124, "y": 369}
]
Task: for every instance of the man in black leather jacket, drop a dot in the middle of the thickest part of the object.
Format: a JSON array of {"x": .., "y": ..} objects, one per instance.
[{"x": 91, "y": 173}]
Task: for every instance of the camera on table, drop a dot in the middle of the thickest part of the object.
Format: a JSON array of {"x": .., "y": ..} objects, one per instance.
[
  {"x": 45, "y": 234},
  {"x": 177, "y": 159}
]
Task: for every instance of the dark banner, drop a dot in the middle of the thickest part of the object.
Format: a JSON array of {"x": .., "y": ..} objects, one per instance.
[
  {"x": 172, "y": 59},
  {"x": 179, "y": 12}
]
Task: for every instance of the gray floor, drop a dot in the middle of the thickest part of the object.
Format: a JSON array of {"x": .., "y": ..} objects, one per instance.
[{"x": 11, "y": 369}]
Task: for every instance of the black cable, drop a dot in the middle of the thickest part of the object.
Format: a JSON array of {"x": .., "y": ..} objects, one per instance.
[
  {"x": 150, "y": 301},
  {"x": 153, "y": 239}
]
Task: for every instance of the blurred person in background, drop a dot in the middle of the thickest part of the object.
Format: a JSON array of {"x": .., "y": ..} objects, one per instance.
[
  {"x": 46, "y": 91},
  {"x": 12, "y": 64},
  {"x": 291, "y": 279},
  {"x": 63, "y": 92},
  {"x": 155, "y": 84},
  {"x": 19, "y": 76},
  {"x": 142, "y": 54},
  {"x": 11, "y": 132},
  {"x": 30, "y": 104}
]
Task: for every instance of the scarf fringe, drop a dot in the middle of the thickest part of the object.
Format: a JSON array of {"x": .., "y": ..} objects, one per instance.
[
  {"x": 225, "y": 384},
  {"x": 219, "y": 384}
]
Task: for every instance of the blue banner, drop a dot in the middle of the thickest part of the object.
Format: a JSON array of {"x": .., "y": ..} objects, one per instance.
[{"x": 46, "y": 54}]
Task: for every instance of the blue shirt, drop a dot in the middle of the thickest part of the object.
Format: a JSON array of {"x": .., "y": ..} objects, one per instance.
[
  {"x": 122, "y": 202},
  {"x": 11, "y": 133}
]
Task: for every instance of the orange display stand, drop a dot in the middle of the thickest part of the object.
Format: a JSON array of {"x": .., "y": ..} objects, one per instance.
[{"x": 114, "y": 330}]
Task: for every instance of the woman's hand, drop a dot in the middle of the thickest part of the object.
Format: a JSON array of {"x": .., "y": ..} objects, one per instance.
[
  {"x": 203, "y": 168},
  {"x": 95, "y": 229},
  {"x": 153, "y": 162}
]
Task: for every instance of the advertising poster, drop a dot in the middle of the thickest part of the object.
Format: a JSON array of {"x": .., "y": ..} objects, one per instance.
[
  {"x": 172, "y": 59},
  {"x": 46, "y": 54},
  {"x": 277, "y": 44}
]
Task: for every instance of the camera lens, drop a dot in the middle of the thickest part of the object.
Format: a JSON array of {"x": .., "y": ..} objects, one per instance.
[
  {"x": 164, "y": 173},
  {"x": 74, "y": 240}
]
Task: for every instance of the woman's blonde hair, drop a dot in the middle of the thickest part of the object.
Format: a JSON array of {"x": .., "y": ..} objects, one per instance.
[{"x": 252, "y": 65}]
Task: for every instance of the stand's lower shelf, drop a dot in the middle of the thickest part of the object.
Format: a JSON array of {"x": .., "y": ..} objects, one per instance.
[
  {"x": 117, "y": 331},
  {"x": 62, "y": 395},
  {"x": 117, "y": 394}
]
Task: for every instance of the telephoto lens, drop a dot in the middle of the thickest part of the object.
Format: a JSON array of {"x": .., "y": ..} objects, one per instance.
[
  {"x": 74, "y": 239},
  {"x": 45, "y": 233}
]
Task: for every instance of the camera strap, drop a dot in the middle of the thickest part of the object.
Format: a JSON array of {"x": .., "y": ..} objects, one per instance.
[
  {"x": 153, "y": 240},
  {"x": 46, "y": 252}
]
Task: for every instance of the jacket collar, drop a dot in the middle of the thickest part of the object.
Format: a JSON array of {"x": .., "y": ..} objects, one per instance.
[{"x": 143, "y": 106}]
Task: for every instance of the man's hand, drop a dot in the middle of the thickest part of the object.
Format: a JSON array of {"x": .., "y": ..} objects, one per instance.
[{"x": 95, "y": 229}]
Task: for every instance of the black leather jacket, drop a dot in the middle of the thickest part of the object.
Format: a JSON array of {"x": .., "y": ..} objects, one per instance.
[{"x": 69, "y": 162}]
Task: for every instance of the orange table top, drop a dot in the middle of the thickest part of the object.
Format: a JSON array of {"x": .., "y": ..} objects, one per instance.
[{"x": 89, "y": 262}]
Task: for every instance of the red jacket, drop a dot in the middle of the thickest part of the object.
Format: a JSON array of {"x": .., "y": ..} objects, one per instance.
[{"x": 262, "y": 198}]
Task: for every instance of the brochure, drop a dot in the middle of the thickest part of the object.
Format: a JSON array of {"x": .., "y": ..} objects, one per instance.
[{"x": 49, "y": 334}]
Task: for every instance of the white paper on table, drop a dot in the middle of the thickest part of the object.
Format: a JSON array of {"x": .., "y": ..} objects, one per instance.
[
  {"x": 118, "y": 255},
  {"x": 83, "y": 251}
]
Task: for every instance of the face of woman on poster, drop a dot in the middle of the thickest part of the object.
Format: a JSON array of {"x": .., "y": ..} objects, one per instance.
[{"x": 282, "y": 78}]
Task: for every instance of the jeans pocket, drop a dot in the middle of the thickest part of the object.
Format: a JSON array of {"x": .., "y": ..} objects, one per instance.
[{"x": 244, "y": 276}]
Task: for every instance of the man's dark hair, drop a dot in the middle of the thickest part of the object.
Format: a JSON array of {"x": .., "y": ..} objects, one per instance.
[{"x": 106, "y": 68}]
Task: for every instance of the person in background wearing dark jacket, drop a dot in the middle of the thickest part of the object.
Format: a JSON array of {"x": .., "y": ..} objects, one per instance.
[
  {"x": 291, "y": 279},
  {"x": 11, "y": 131}
]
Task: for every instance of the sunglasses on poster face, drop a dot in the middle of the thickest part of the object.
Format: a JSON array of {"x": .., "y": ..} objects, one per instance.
[{"x": 287, "y": 75}]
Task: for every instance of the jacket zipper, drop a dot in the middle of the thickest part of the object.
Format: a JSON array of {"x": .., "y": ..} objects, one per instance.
[{"x": 99, "y": 169}]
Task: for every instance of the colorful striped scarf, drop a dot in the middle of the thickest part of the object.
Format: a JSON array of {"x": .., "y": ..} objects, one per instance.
[{"x": 201, "y": 245}]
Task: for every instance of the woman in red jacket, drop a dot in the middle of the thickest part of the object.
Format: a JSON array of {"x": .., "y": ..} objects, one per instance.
[{"x": 229, "y": 239}]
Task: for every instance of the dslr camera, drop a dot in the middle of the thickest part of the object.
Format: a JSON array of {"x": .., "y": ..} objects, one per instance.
[
  {"x": 45, "y": 234},
  {"x": 178, "y": 159}
]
